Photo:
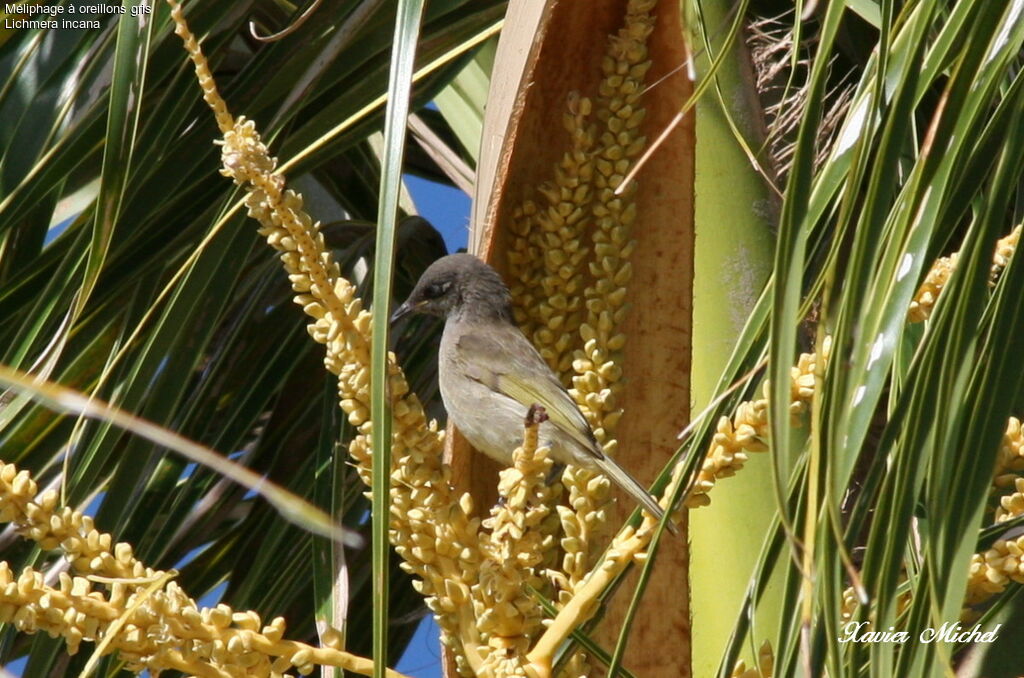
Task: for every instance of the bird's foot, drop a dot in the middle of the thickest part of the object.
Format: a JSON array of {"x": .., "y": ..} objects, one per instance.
[{"x": 536, "y": 415}]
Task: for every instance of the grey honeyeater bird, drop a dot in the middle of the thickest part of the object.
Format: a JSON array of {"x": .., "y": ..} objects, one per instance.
[{"x": 490, "y": 374}]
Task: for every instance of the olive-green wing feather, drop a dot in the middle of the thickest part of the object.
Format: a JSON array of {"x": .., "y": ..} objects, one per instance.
[{"x": 503, "y": 360}]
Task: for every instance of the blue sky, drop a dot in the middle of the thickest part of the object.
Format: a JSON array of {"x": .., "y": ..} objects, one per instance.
[{"x": 445, "y": 207}]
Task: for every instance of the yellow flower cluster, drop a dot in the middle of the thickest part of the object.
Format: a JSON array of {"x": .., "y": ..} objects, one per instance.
[
  {"x": 203, "y": 75},
  {"x": 545, "y": 253},
  {"x": 924, "y": 301},
  {"x": 39, "y": 519},
  {"x": 1010, "y": 458},
  {"x": 765, "y": 664},
  {"x": 1005, "y": 248},
  {"x": 747, "y": 430},
  {"x": 938, "y": 276},
  {"x": 1011, "y": 505},
  {"x": 474, "y": 580},
  {"x": 431, "y": 528},
  {"x": 570, "y": 298},
  {"x": 628, "y": 547},
  {"x": 574, "y": 320},
  {"x": 598, "y": 374},
  {"x": 992, "y": 570},
  {"x": 522, "y": 536},
  {"x": 851, "y": 602},
  {"x": 620, "y": 141},
  {"x": 142, "y": 614},
  {"x": 546, "y": 260}
]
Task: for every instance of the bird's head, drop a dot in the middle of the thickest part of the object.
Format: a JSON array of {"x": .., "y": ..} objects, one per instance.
[{"x": 459, "y": 285}]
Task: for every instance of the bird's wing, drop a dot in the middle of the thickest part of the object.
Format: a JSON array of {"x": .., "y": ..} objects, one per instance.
[
  {"x": 503, "y": 360},
  {"x": 510, "y": 365}
]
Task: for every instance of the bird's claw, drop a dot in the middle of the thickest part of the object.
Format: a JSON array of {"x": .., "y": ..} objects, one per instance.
[{"x": 536, "y": 415}]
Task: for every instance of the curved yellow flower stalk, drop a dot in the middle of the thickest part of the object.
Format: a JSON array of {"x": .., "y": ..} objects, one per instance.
[
  {"x": 431, "y": 528},
  {"x": 483, "y": 611},
  {"x": 747, "y": 430},
  {"x": 628, "y": 547},
  {"x": 148, "y": 619},
  {"x": 209, "y": 86}
]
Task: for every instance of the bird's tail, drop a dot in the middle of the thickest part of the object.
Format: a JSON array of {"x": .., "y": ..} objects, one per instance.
[{"x": 633, "y": 488}]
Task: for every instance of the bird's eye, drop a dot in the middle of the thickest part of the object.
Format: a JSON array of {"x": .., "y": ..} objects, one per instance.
[{"x": 435, "y": 290}]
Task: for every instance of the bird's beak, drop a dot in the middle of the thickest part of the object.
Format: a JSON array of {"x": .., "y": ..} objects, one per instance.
[{"x": 400, "y": 312}]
